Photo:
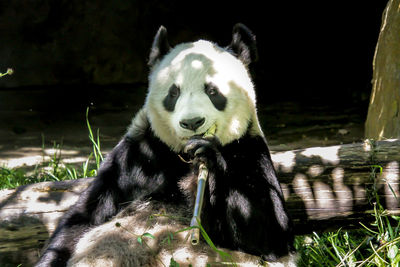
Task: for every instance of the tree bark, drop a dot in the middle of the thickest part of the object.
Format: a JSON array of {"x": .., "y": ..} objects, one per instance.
[
  {"x": 383, "y": 120},
  {"x": 324, "y": 188}
]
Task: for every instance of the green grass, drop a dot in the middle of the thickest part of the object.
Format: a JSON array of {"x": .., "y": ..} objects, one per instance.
[
  {"x": 47, "y": 170},
  {"x": 54, "y": 169},
  {"x": 11, "y": 178},
  {"x": 376, "y": 245}
]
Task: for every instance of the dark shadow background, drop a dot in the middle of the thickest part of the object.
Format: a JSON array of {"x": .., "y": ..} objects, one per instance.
[{"x": 308, "y": 49}]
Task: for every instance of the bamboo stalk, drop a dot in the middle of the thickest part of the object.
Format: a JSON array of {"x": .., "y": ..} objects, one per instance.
[{"x": 201, "y": 185}]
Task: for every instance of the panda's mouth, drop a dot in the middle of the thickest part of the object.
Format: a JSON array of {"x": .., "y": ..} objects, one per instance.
[
  {"x": 185, "y": 135},
  {"x": 188, "y": 137},
  {"x": 202, "y": 133}
]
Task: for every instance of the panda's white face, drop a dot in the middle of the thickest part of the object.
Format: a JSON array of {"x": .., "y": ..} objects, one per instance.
[{"x": 195, "y": 86}]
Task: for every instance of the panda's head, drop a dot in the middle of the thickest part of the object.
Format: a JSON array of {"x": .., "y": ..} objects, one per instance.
[{"x": 195, "y": 85}]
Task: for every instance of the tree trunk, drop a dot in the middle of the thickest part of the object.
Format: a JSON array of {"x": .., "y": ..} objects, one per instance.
[
  {"x": 383, "y": 120},
  {"x": 324, "y": 187}
]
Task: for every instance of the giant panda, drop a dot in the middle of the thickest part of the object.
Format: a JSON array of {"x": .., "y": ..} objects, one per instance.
[{"x": 136, "y": 210}]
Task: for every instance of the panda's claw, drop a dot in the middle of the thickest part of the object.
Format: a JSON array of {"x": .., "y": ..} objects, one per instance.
[
  {"x": 199, "y": 151},
  {"x": 197, "y": 146}
]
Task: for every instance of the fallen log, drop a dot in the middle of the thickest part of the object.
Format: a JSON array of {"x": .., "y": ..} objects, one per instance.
[
  {"x": 324, "y": 187},
  {"x": 30, "y": 213},
  {"x": 335, "y": 186}
]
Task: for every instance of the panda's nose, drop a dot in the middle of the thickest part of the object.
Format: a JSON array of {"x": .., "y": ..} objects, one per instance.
[{"x": 192, "y": 124}]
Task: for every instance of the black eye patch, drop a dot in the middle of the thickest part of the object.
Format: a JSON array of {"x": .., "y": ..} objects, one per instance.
[
  {"x": 170, "y": 100},
  {"x": 218, "y": 99}
]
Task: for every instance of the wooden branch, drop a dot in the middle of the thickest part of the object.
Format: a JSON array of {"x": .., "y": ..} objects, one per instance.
[{"x": 324, "y": 187}]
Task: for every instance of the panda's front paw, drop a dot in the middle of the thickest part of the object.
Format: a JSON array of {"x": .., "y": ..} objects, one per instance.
[
  {"x": 198, "y": 146},
  {"x": 204, "y": 150}
]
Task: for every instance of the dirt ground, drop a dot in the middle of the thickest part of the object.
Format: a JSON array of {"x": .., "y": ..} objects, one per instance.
[{"x": 33, "y": 125}]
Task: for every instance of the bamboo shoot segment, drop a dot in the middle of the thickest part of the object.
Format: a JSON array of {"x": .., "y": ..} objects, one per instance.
[{"x": 201, "y": 185}]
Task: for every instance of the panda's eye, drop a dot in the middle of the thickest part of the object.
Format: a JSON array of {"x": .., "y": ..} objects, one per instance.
[
  {"x": 219, "y": 100},
  {"x": 211, "y": 90},
  {"x": 173, "y": 91},
  {"x": 170, "y": 100}
]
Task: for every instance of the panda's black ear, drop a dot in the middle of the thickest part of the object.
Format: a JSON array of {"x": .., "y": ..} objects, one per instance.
[
  {"x": 243, "y": 44},
  {"x": 160, "y": 46}
]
